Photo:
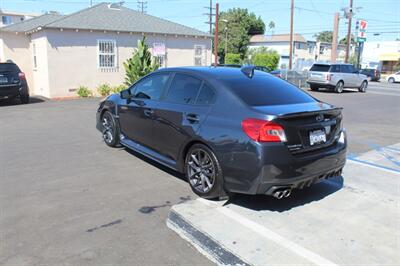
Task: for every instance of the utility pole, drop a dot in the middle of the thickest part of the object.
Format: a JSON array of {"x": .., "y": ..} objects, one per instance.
[
  {"x": 210, "y": 15},
  {"x": 335, "y": 37},
  {"x": 142, "y": 5},
  {"x": 349, "y": 14},
  {"x": 291, "y": 35},
  {"x": 91, "y": 3},
  {"x": 216, "y": 35}
]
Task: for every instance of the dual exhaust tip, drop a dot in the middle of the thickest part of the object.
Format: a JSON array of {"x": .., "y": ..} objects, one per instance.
[{"x": 281, "y": 193}]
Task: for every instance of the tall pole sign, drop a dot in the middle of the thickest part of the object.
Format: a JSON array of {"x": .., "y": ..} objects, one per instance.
[{"x": 361, "y": 27}]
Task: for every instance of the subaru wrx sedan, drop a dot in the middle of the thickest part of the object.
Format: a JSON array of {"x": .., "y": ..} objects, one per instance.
[{"x": 228, "y": 130}]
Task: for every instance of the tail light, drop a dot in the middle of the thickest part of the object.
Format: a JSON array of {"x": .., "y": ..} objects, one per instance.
[
  {"x": 21, "y": 75},
  {"x": 376, "y": 72},
  {"x": 263, "y": 131},
  {"x": 328, "y": 77}
]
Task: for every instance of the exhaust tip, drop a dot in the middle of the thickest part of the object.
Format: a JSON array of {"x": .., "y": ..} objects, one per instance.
[
  {"x": 287, "y": 193},
  {"x": 278, "y": 194}
]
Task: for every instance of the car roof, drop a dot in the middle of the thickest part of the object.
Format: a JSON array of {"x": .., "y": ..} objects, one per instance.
[{"x": 212, "y": 72}]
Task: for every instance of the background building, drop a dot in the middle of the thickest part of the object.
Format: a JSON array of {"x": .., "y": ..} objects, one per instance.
[
  {"x": 382, "y": 55},
  {"x": 60, "y": 53},
  {"x": 8, "y": 18}
]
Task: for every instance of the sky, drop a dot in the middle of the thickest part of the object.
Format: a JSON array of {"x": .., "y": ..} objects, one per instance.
[{"x": 310, "y": 17}]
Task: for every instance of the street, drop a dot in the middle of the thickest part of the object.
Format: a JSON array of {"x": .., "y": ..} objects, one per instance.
[{"x": 67, "y": 198}]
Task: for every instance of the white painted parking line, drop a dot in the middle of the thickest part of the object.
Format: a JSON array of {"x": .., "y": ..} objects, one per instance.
[
  {"x": 270, "y": 235},
  {"x": 383, "y": 93}
]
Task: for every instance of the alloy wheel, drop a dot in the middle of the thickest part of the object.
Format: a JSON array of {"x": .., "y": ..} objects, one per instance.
[
  {"x": 107, "y": 129},
  {"x": 201, "y": 171}
]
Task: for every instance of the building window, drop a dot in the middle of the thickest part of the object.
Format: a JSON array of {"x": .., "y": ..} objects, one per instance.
[
  {"x": 310, "y": 49},
  {"x": 34, "y": 56},
  {"x": 199, "y": 55},
  {"x": 106, "y": 54},
  {"x": 6, "y": 20}
]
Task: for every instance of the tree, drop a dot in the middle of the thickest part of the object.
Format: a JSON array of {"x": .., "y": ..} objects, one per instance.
[
  {"x": 344, "y": 40},
  {"x": 140, "y": 64},
  {"x": 271, "y": 26},
  {"x": 324, "y": 36},
  {"x": 240, "y": 27},
  {"x": 263, "y": 56},
  {"x": 233, "y": 59}
]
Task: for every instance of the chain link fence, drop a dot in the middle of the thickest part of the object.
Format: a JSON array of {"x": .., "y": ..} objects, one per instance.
[{"x": 298, "y": 78}]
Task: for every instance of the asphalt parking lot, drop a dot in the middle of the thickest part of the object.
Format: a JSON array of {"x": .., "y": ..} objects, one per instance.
[{"x": 67, "y": 198}]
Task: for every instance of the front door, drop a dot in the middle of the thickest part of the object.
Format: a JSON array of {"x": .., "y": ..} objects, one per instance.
[{"x": 136, "y": 114}]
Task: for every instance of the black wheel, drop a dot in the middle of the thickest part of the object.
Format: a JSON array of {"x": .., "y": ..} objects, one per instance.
[
  {"x": 391, "y": 80},
  {"x": 24, "y": 98},
  {"x": 363, "y": 87},
  {"x": 110, "y": 130},
  {"x": 313, "y": 88},
  {"x": 339, "y": 87},
  {"x": 204, "y": 173}
]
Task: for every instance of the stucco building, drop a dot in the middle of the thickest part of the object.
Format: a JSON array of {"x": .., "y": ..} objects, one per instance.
[
  {"x": 59, "y": 53},
  {"x": 305, "y": 53}
]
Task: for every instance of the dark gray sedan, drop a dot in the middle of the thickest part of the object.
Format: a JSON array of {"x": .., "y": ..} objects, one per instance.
[{"x": 229, "y": 130}]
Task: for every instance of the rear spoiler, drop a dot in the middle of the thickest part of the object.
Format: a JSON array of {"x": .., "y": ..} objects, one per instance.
[{"x": 335, "y": 110}]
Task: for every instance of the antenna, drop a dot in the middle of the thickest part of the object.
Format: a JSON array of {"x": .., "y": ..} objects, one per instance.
[{"x": 142, "y": 6}]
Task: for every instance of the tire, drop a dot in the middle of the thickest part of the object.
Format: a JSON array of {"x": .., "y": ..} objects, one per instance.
[
  {"x": 24, "y": 98},
  {"x": 204, "y": 173},
  {"x": 313, "y": 88},
  {"x": 391, "y": 80},
  {"x": 363, "y": 87},
  {"x": 339, "y": 87},
  {"x": 110, "y": 129}
]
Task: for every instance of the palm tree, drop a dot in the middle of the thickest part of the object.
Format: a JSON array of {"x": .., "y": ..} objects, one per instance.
[{"x": 271, "y": 27}]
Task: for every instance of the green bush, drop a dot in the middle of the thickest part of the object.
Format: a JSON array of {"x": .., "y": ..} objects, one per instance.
[
  {"x": 84, "y": 92},
  {"x": 104, "y": 89},
  {"x": 269, "y": 59},
  {"x": 233, "y": 59},
  {"x": 119, "y": 88}
]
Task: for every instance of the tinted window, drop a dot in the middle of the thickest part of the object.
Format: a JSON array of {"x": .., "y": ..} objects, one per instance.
[
  {"x": 183, "y": 89},
  {"x": 320, "y": 68},
  {"x": 151, "y": 87},
  {"x": 335, "y": 69},
  {"x": 206, "y": 95},
  {"x": 263, "y": 89},
  {"x": 9, "y": 67},
  {"x": 345, "y": 69}
]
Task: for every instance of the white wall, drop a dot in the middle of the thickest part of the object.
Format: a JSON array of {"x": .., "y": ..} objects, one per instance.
[
  {"x": 72, "y": 57},
  {"x": 372, "y": 50}
]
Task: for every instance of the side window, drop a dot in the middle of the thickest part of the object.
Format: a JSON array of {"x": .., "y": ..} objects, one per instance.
[
  {"x": 206, "y": 96},
  {"x": 350, "y": 69},
  {"x": 344, "y": 69},
  {"x": 183, "y": 89},
  {"x": 151, "y": 87},
  {"x": 335, "y": 69}
]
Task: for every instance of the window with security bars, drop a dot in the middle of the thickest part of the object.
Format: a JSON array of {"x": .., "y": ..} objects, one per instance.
[
  {"x": 107, "y": 54},
  {"x": 199, "y": 55}
]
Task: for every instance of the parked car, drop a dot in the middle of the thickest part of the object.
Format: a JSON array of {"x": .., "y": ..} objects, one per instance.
[
  {"x": 228, "y": 130},
  {"x": 394, "y": 77},
  {"x": 13, "y": 83},
  {"x": 336, "y": 77},
  {"x": 262, "y": 68},
  {"x": 371, "y": 73},
  {"x": 277, "y": 73}
]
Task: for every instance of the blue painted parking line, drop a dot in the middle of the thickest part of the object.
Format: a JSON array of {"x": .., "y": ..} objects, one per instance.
[{"x": 378, "y": 166}]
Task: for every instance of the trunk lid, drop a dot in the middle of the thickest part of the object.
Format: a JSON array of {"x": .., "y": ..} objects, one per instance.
[
  {"x": 8, "y": 78},
  {"x": 302, "y": 120}
]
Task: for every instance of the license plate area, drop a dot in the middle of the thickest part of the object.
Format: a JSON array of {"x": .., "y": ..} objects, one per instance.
[
  {"x": 3, "y": 80},
  {"x": 317, "y": 137}
]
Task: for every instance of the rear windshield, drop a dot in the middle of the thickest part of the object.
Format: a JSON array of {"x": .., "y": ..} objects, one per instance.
[
  {"x": 8, "y": 67},
  {"x": 264, "y": 89},
  {"x": 320, "y": 68}
]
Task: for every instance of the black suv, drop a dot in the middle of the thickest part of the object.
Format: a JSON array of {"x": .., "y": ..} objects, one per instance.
[
  {"x": 371, "y": 73},
  {"x": 13, "y": 83}
]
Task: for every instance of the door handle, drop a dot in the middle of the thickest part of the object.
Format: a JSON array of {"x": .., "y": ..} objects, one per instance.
[
  {"x": 192, "y": 118},
  {"x": 148, "y": 112}
]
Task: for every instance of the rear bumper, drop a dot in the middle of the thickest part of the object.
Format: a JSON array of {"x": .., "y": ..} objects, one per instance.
[
  {"x": 321, "y": 84},
  {"x": 264, "y": 167},
  {"x": 10, "y": 91}
]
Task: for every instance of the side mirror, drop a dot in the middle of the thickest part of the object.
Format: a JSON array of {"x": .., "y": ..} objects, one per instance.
[{"x": 125, "y": 94}]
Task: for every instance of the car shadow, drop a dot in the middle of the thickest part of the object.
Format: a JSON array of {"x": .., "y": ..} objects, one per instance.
[
  {"x": 32, "y": 100},
  {"x": 156, "y": 164},
  {"x": 345, "y": 91},
  {"x": 298, "y": 197}
]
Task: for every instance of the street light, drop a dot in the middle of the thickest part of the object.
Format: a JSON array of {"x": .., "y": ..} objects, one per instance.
[{"x": 226, "y": 35}]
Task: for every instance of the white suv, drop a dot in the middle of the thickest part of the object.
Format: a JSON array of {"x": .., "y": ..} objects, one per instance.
[{"x": 336, "y": 77}]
